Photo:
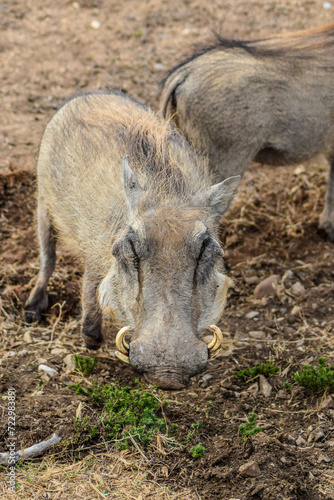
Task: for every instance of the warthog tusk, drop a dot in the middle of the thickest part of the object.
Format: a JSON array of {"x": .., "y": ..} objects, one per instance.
[
  {"x": 121, "y": 343},
  {"x": 123, "y": 347},
  {"x": 122, "y": 357},
  {"x": 216, "y": 342}
]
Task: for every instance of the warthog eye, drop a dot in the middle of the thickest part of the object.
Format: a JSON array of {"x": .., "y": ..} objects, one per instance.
[{"x": 205, "y": 244}]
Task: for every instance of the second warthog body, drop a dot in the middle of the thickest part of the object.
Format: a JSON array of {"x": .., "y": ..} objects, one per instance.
[
  {"x": 269, "y": 100},
  {"x": 125, "y": 194}
]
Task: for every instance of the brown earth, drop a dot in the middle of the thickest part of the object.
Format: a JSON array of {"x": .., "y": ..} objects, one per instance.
[{"x": 48, "y": 52}]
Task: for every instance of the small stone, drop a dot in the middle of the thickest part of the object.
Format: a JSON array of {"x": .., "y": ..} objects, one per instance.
[
  {"x": 281, "y": 394},
  {"x": 252, "y": 280},
  {"x": 58, "y": 350},
  {"x": 299, "y": 170},
  {"x": 327, "y": 403},
  {"x": 326, "y": 5},
  {"x": 297, "y": 288},
  {"x": 265, "y": 387},
  {"x": 69, "y": 363},
  {"x": 323, "y": 458},
  {"x": 96, "y": 25},
  {"x": 300, "y": 441},
  {"x": 257, "y": 335},
  {"x": 42, "y": 361},
  {"x": 46, "y": 378},
  {"x": 206, "y": 379},
  {"x": 288, "y": 275},
  {"x": 316, "y": 435},
  {"x": 266, "y": 287},
  {"x": 27, "y": 337},
  {"x": 159, "y": 67},
  {"x": 253, "y": 389},
  {"x": 50, "y": 371},
  {"x": 291, "y": 440},
  {"x": 252, "y": 314},
  {"x": 295, "y": 310},
  {"x": 250, "y": 469},
  {"x": 227, "y": 382},
  {"x": 65, "y": 379}
]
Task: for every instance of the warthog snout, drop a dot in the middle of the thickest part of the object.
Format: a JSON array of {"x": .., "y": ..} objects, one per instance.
[{"x": 168, "y": 369}]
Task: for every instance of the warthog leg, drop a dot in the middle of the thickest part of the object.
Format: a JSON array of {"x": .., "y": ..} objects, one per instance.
[
  {"x": 326, "y": 221},
  {"x": 91, "y": 329},
  {"x": 37, "y": 302}
]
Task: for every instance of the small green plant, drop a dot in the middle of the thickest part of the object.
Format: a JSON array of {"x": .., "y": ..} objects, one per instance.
[
  {"x": 195, "y": 430},
  {"x": 249, "y": 428},
  {"x": 197, "y": 451},
  {"x": 128, "y": 415},
  {"x": 265, "y": 369},
  {"x": 287, "y": 386},
  {"x": 317, "y": 380},
  {"x": 85, "y": 365}
]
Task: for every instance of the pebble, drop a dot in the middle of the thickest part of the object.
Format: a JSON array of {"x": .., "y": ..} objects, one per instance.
[
  {"x": 297, "y": 288},
  {"x": 326, "y": 5},
  {"x": 159, "y": 67},
  {"x": 206, "y": 379},
  {"x": 253, "y": 389},
  {"x": 58, "y": 350},
  {"x": 300, "y": 441},
  {"x": 252, "y": 280},
  {"x": 257, "y": 334},
  {"x": 295, "y": 310},
  {"x": 316, "y": 435},
  {"x": 265, "y": 387},
  {"x": 226, "y": 383},
  {"x": 27, "y": 337},
  {"x": 250, "y": 468},
  {"x": 266, "y": 287},
  {"x": 65, "y": 379},
  {"x": 69, "y": 363},
  {"x": 252, "y": 314},
  {"x": 323, "y": 458},
  {"x": 96, "y": 25},
  {"x": 291, "y": 440},
  {"x": 299, "y": 170},
  {"x": 49, "y": 371},
  {"x": 326, "y": 403}
]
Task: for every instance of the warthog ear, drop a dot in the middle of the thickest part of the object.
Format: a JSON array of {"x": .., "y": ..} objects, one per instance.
[
  {"x": 131, "y": 185},
  {"x": 219, "y": 196}
]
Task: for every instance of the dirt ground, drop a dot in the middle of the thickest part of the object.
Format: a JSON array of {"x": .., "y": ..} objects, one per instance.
[{"x": 52, "y": 50}]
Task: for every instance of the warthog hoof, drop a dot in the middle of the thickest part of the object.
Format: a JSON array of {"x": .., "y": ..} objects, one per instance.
[{"x": 32, "y": 316}]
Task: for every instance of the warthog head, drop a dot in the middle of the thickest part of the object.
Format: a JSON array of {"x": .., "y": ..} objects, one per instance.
[{"x": 168, "y": 282}]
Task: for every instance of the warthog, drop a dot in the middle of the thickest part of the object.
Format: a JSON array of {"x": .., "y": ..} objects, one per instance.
[
  {"x": 268, "y": 100},
  {"x": 146, "y": 232}
]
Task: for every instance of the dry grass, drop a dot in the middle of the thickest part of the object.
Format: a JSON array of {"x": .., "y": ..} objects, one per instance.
[{"x": 122, "y": 476}]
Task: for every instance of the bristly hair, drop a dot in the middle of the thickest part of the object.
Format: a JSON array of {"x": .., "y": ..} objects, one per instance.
[{"x": 291, "y": 44}]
